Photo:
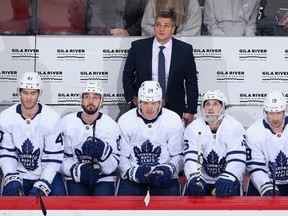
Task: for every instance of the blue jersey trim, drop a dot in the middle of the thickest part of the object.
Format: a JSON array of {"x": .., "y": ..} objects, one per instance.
[{"x": 49, "y": 152}]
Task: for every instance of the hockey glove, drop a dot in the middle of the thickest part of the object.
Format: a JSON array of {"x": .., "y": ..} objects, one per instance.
[
  {"x": 196, "y": 188},
  {"x": 13, "y": 185},
  {"x": 98, "y": 149},
  {"x": 267, "y": 190},
  {"x": 84, "y": 173},
  {"x": 225, "y": 185},
  {"x": 41, "y": 187},
  {"x": 161, "y": 176},
  {"x": 139, "y": 174}
]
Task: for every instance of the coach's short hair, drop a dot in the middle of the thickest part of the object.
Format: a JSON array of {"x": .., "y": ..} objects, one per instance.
[{"x": 167, "y": 14}]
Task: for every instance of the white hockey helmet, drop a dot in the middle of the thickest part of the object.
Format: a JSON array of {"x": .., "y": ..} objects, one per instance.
[
  {"x": 214, "y": 95},
  {"x": 93, "y": 87},
  {"x": 30, "y": 80},
  {"x": 275, "y": 101},
  {"x": 150, "y": 91}
]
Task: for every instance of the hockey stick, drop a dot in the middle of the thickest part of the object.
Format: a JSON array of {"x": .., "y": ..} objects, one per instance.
[
  {"x": 94, "y": 165},
  {"x": 94, "y": 130},
  {"x": 147, "y": 197},
  {"x": 274, "y": 177},
  {"x": 199, "y": 160},
  {"x": 199, "y": 165},
  {"x": 43, "y": 208}
]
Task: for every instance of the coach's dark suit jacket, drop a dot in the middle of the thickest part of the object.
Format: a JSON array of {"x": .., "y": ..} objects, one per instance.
[{"x": 138, "y": 68}]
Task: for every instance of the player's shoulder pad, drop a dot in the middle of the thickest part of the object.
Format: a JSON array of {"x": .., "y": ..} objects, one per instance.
[
  {"x": 170, "y": 117},
  {"x": 197, "y": 123},
  {"x": 130, "y": 115},
  {"x": 6, "y": 113},
  {"x": 69, "y": 118},
  {"x": 232, "y": 126},
  {"x": 255, "y": 128},
  {"x": 49, "y": 111},
  {"x": 107, "y": 121}
]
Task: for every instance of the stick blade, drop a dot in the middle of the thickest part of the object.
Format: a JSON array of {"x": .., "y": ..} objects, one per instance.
[{"x": 147, "y": 198}]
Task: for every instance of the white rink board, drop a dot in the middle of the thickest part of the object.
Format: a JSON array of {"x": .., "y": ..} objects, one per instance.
[{"x": 244, "y": 68}]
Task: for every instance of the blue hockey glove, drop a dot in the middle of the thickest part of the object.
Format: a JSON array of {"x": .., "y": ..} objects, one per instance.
[
  {"x": 267, "y": 190},
  {"x": 225, "y": 185},
  {"x": 13, "y": 185},
  {"x": 196, "y": 188},
  {"x": 139, "y": 174},
  {"x": 98, "y": 149},
  {"x": 161, "y": 176},
  {"x": 42, "y": 186},
  {"x": 84, "y": 173}
]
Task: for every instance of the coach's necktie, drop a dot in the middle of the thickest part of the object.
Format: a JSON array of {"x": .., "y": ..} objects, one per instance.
[{"x": 161, "y": 72}]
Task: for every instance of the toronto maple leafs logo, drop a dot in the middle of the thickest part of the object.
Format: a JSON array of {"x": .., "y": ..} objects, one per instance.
[
  {"x": 146, "y": 155},
  {"x": 212, "y": 165},
  {"x": 281, "y": 172},
  {"x": 28, "y": 157}
]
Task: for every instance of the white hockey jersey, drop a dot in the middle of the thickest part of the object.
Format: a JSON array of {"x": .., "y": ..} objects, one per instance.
[
  {"x": 76, "y": 132},
  {"x": 151, "y": 144},
  {"x": 267, "y": 148},
  {"x": 221, "y": 151},
  {"x": 32, "y": 147}
]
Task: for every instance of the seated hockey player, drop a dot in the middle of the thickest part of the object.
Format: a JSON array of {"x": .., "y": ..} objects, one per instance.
[
  {"x": 90, "y": 141},
  {"x": 151, "y": 146},
  {"x": 31, "y": 146},
  {"x": 267, "y": 154},
  {"x": 214, "y": 151}
]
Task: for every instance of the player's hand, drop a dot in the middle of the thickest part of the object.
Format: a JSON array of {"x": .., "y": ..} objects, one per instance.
[
  {"x": 161, "y": 176},
  {"x": 42, "y": 186},
  {"x": 196, "y": 188},
  {"x": 84, "y": 173},
  {"x": 97, "y": 149},
  {"x": 13, "y": 185},
  {"x": 119, "y": 32},
  {"x": 139, "y": 174},
  {"x": 187, "y": 118},
  {"x": 225, "y": 185},
  {"x": 267, "y": 190}
]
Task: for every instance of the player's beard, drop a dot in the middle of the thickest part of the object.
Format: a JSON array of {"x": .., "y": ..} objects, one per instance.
[
  {"x": 212, "y": 119},
  {"x": 29, "y": 105},
  {"x": 90, "y": 109}
]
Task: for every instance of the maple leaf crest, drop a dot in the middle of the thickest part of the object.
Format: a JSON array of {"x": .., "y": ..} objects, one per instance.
[
  {"x": 281, "y": 167},
  {"x": 212, "y": 165},
  {"x": 146, "y": 155},
  {"x": 28, "y": 157}
]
